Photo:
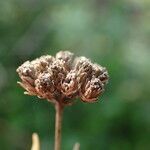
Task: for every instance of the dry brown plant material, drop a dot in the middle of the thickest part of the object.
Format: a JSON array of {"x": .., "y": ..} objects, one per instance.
[{"x": 60, "y": 80}]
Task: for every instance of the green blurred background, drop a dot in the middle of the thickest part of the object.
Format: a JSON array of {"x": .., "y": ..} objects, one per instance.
[{"x": 113, "y": 33}]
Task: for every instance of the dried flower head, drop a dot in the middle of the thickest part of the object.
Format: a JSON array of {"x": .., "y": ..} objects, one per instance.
[{"x": 63, "y": 78}]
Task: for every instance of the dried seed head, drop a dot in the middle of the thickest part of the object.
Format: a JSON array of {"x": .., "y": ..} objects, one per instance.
[{"x": 63, "y": 78}]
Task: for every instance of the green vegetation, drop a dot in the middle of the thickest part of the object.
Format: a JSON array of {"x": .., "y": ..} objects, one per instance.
[{"x": 112, "y": 33}]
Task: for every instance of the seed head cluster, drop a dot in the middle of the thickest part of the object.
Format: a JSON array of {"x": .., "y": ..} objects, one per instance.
[{"x": 63, "y": 77}]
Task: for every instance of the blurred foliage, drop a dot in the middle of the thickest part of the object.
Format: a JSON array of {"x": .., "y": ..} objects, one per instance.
[{"x": 114, "y": 33}]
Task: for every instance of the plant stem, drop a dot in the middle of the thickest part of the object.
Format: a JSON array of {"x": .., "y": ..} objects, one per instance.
[
  {"x": 35, "y": 142},
  {"x": 76, "y": 146},
  {"x": 58, "y": 123}
]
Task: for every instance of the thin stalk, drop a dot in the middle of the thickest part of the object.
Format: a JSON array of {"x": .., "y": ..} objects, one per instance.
[
  {"x": 58, "y": 124},
  {"x": 35, "y": 142},
  {"x": 76, "y": 146}
]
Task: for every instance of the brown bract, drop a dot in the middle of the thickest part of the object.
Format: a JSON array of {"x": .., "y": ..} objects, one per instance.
[{"x": 63, "y": 77}]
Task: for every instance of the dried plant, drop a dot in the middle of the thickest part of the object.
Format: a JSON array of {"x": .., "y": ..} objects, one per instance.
[{"x": 60, "y": 80}]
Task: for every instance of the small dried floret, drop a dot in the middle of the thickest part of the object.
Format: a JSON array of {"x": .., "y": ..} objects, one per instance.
[
  {"x": 41, "y": 64},
  {"x": 97, "y": 69},
  {"x": 59, "y": 72},
  {"x": 67, "y": 57},
  {"x": 82, "y": 64},
  {"x": 83, "y": 67},
  {"x": 101, "y": 73},
  {"x": 26, "y": 70},
  {"x": 104, "y": 76},
  {"x": 44, "y": 85},
  {"x": 91, "y": 90},
  {"x": 69, "y": 85},
  {"x": 27, "y": 74}
]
